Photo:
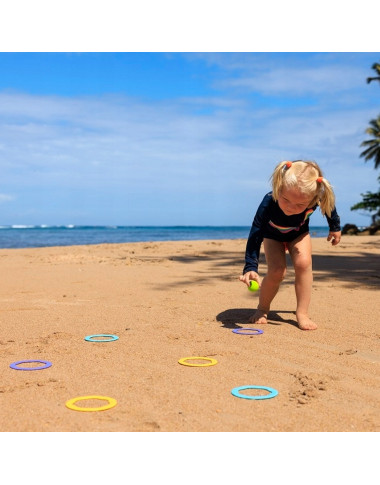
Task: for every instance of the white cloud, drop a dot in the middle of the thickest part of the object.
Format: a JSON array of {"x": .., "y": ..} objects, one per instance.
[
  {"x": 300, "y": 81},
  {"x": 291, "y": 74},
  {"x": 191, "y": 160}
]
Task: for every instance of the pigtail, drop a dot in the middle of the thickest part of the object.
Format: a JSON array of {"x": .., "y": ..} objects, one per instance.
[
  {"x": 327, "y": 197},
  {"x": 307, "y": 177},
  {"x": 277, "y": 178}
]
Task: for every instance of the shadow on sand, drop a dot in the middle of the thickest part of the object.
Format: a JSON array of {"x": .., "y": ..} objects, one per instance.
[
  {"x": 238, "y": 317},
  {"x": 360, "y": 267}
]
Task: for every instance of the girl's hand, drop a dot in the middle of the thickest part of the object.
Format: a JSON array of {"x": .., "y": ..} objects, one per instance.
[
  {"x": 248, "y": 277},
  {"x": 334, "y": 237}
]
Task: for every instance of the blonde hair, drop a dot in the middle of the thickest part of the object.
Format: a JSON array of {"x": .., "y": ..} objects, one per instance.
[{"x": 308, "y": 178}]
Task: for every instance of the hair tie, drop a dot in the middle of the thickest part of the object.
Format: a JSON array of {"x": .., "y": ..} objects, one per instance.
[
  {"x": 288, "y": 164},
  {"x": 319, "y": 180}
]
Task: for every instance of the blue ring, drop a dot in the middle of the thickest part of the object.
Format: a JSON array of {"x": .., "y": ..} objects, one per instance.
[
  {"x": 15, "y": 364},
  {"x": 89, "y": 338},
  {"x": 236, "y": 392},
  {"x": 255, "y": 331}
]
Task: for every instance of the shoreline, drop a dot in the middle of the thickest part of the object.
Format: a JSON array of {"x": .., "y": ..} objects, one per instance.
[
  {"x": 357, "y": 236},
  {"x": 168, "y": 300}
]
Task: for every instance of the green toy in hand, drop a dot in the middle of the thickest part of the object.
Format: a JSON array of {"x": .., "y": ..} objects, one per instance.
[{"x": 253, "y": 285}]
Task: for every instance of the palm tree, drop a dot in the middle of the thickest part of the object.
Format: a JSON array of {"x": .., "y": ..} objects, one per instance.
[
  {"x": 371, "y": 200},
  {"x": 373, "y": 150},
  {"x": 376, "y": 67},
  {"x": 370, "y": 203}
]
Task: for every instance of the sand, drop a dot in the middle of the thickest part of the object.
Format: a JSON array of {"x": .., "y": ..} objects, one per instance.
[{"x": 170, "y": 300}]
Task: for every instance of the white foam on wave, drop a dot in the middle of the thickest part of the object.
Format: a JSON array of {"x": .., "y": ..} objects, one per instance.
[{"x": 21, "y": 226}]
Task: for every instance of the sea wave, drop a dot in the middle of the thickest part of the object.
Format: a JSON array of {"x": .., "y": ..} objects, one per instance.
[
  {"x": 44, "y": 226},
  {"x": 65, "y": 226},
  {"x": 43, "y": 235}
]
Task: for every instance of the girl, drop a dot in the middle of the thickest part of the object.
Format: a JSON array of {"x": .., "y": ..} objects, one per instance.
[{"x": 282, "y": 221}]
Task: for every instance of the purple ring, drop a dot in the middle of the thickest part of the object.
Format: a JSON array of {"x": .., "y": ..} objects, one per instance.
[
  {"x": 15, "y": 364},
  {"x": 254, "y": 331}
]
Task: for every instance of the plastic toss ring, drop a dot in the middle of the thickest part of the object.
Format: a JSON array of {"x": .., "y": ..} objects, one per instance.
[
  {"x": 236, "y": 392},
  {"x": 211, "y": 361},
  {"x": 14, "y": 365},
  {"x": 247, "y": 331},
  {"x": 90, "y": 338},
  {"x": 71, "y": 403}
]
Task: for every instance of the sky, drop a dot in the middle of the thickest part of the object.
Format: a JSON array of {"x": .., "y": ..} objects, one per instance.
[{"x": 181, "y": 138}]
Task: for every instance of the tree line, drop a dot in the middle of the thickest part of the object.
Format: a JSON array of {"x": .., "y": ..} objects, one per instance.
[{"x": 371, "y": 200}]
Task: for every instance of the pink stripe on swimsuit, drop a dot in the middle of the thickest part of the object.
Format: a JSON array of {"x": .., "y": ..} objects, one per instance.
[{"x": 284, "y": 230}]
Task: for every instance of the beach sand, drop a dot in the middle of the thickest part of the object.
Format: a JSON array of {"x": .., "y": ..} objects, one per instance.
[{"x": 170, "y": 300}]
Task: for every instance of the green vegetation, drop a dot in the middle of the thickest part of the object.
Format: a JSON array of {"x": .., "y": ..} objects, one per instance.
[{"x": 371, "y": 201}]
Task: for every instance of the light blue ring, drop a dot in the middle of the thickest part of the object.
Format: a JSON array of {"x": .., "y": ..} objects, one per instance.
[
  {"x": 236, "y": 392},
  {"x": 89, "y": 338}
]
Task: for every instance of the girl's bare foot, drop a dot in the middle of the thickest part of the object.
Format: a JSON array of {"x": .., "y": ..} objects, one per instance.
[
  {"x": 305, "y": 323},
  {"x": 260, "y": 317}
]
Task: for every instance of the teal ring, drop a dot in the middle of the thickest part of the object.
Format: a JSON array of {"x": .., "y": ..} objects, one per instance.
[
  {"x": 90, "y": 338},
  {"x": 236, "y": 392}
]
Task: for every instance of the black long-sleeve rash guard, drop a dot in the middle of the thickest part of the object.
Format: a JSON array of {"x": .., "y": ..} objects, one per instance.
[{"x": 271, "y": 222}]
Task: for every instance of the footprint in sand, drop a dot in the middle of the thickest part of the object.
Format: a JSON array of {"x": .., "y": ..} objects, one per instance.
[{"x": 307, "y": 387}]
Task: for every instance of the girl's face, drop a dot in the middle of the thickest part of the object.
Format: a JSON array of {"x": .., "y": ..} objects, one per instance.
[{"x": 292, "y": 201}]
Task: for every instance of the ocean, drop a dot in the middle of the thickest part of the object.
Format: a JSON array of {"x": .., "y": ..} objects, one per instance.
[{"x": 18, "y": 236}]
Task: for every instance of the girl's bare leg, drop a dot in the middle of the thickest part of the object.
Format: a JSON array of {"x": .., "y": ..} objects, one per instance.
[
  {"x": 300, "y": 252},
  {"x": 276, "y": 262}
]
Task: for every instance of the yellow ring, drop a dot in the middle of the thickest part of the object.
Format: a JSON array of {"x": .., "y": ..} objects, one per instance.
[
  {"x": 212, "y": 361},
  {"x": 111, "y": 403}
]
